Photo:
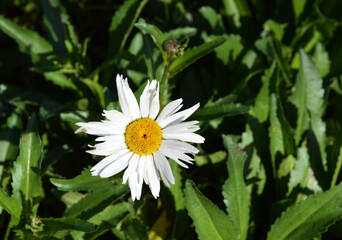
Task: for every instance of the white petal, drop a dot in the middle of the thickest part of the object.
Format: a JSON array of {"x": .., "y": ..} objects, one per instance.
[
  {"x": 116, "y": 118},
  {"x": 178, "y": 117},
  {"x": 97, "y": 128},
  {"x": 128, "y": 102},
  {"x": 109, "y": 147},
  {"x": 187, "y": 137},
  {"x": 169, "y": 109},
  {"x": 182, "y": 127},
  {"x": 107, "y": 161},
  {"x": 152, "y": 175},
  {"x": 116, "y": 166},
  {"x": 154, "y": 107},
  {"x": 144, "y": 101},
  {"x": 164, "y": 168},
  {"x": 131, "y": 168},
  {"x": 175, "y": 155},
  {"x": 175, "y": 144}
]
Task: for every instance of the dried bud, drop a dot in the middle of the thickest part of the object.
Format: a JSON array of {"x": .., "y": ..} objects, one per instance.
[{"x": 171, "y": 46}]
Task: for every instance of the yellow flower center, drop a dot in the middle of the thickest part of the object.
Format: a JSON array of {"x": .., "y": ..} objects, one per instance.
[{"x": 143, "y": 136}]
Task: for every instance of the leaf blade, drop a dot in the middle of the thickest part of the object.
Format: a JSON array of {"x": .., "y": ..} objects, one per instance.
[
  {"x": 310, "y": 217},
  {"x": 193, "y": 54},
  {"x": 209, "y": 220},
  {"x": 234, "y": 190}
]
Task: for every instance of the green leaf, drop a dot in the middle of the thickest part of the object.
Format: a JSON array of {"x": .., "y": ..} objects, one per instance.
[
  {"x": 214, "y": 19},
  {"x": 230, "y": 50},
  {"x": 61, "y": 80},
  {"x": 298, "y": 8},
  {"x": 157, "y": 36},
  {"x": 122, "y": 24},
  {"x": 270, "y": 48},
  {"x": 53, "y": 22},
  {"x": 236, "y": 195},
  {"x": 27, "y": 184},
  {"x": 193, "y": 54},
  {"x": 10, "y": 138},
  {"x": 308, "y": 94},
  {"x": 97, "y": 90},
  {"x": 300, "y": 170},
  {"x": 321, "y": 59},
  {"x": 109, "y": 218},
  {"x": 180, "y": 33},
  {"x": 54, "y": 225},
  {"x": 275, "y": 132},
  {"x": 309, "y": 218},
  {"x": 236, "y": 10},
  {"x": 29, "y": 41},
  {"x": 96, "y": 201},
  {"x": 337, "y": 169},
  {"x": 220, "y": 110},
  {"x": 83, "y": 182},
  {"x": 210, "y": 222},
  {"x": 135, "y": 229},
  {"x": 11, "y": 205},
  {"x": 262, "y": 101}
]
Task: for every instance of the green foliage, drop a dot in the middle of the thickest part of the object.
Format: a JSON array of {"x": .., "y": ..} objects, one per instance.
[
  {"x": 267, "y": 75},
  {"x": 309, "y": 218},
  {"x": 236, "y": 196},
  {"x": 209, "y": 220}
]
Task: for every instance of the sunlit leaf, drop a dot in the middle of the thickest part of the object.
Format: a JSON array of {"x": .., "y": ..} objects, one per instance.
[
  {"x": 54, "y": 225},
  {"x": 193, "y": 54},
  {"x": 309, "y": 218},
  {"x": 11, "y": 205},
  {"x": 157, "y": 36},
  {"x": 234, "y": 190},
  {"x": 210, "y": 222},
  {"x": 27, "y": 184},
  {"x": 83, "y": 182}
]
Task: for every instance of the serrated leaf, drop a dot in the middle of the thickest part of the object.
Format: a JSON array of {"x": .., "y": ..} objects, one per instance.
[
  {"x": 310, "y": 217},
  {"x": 321, "y": 59},
  {"x": 53, "y": 22},
  {"x": 210, "y": 222},
  {"x": 27, "y": 184},
  {"x": 11, "y": 205},
  {"x": 109, "y": 218},
  {"x": 275, "y": 132},
  {"x": 300, "y": 170},
  {"x": 308, "y": 94},
  {"x": 29, "y": 41},
  {"x": 234, "y": 190},
  {"x": 96, "y": 201},
  {"x": 122, "y": 24},
  {"x": 83, "y": 182},
  {"x": 193, "y": 54},
  {"x": 262, "y": 101},
  {"x": 61, "y": 80},
  {"x": 157, "y": 36},
  {"x": 220, "y": 110},
  {"x": 54, "y": 225}
]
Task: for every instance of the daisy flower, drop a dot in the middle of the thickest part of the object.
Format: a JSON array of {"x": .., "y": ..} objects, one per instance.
[{"x": 140, "y": 139}]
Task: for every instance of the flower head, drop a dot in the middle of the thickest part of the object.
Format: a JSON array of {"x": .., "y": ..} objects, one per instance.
[{"x": 140, "y": 138}]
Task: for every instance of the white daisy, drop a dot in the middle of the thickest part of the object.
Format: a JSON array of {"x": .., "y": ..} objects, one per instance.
[{"x": 139, "y": 140}]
